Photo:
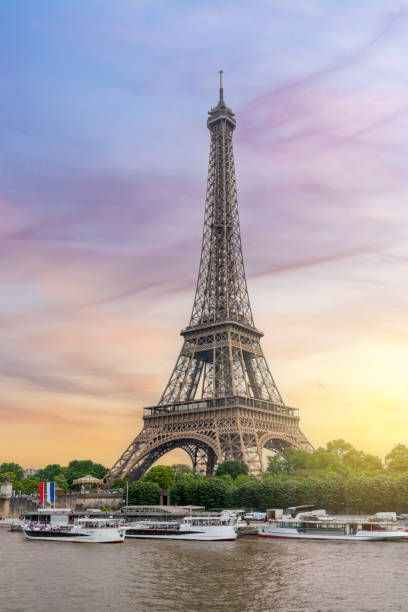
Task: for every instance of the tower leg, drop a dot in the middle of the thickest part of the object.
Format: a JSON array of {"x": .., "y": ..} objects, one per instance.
[{"x": 211, "y": 462}]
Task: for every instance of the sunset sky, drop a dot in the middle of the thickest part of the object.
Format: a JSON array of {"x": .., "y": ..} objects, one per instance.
[{"x": 103, "y": 165}]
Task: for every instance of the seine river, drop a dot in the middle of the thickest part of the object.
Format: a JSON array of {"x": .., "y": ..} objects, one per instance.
[{"x": 249, "y": 574}]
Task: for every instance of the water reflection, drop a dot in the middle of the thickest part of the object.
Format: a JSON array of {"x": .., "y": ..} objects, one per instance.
[{"x": 249, "y": 574}]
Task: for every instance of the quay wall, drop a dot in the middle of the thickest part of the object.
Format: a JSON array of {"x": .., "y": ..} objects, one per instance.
[
  {"x": 95, "y": 501},
  {"x": 75, "y": 501},
  {"x": 22, "y": 504}
]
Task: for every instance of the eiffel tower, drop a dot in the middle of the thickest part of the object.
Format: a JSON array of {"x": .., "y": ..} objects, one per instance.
[{"x": 221, "y": 401}]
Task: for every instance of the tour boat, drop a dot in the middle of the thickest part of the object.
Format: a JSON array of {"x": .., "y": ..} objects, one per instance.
[
  {"x": 326, "y": 529},
  {"x": 93, "y": 530},
  {"x": 190, "y": 528}
]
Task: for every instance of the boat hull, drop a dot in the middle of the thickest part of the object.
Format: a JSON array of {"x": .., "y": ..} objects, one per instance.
[
  {"x": 358, "y": 537},
  {"x": 190, "y": 537},
  {"x": 108, "y": 536},
  {"x": 210, "y": 534}
]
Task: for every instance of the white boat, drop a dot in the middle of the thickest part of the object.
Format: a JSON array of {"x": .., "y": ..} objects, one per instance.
[
  {"x": 255, "y": 516},
  {"x": 91, "y": 530},
  {"x": 330, "y": 529},
  {"x": 234, "y": 518},
  {"x": 203, "y": 528}
]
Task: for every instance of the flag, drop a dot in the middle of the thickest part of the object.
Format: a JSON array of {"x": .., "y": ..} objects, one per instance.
[
  {"x": 51, "y": 492},
  {"x": 41, "y": 486}
]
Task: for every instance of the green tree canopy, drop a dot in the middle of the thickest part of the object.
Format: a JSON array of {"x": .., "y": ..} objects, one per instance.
[
  {"x": 163, "y": 475},
  {"x": 50, "y": 472},
  {"x": 277, "y": 465},
  {"x": 339, "y": 447},
  {"x": 297, "y": 459},
  {"x": 13, "y": 478},
  {"x": 322, "y": 459},
  {"x": 29, "y": 486},
  {"x": 181, "y": 470},
  {"x": 348, "y": 492},
  {"x": 78, "y": 468},
  {"x": 241, "y": 479},
  {"x": 233, "y": 468},
  {"x": 61, "y": 481},
  {"x": 12, "y": 467},
  {"x": 358, "y": 460},
  {"x": 397, "y": 459},
  {"x": 211, "y": 492},
  {"x": 119, "y": 483},
  {"x": 144, "y": 493}
]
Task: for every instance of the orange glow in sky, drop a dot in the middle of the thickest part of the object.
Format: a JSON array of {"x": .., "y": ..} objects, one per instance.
[{"x": 102, "y": 203}]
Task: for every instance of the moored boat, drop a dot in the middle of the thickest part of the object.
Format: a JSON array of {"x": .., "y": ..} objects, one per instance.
[
  {"x": 58, "y": 528},
  {"x": 202, "y": 528},
  {"x": 326, "y": 529}
]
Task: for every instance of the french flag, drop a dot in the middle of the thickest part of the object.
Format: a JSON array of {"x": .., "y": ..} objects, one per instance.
[
  {"x": 50, "y": 492},
  {"x": 41, "y": 487}
]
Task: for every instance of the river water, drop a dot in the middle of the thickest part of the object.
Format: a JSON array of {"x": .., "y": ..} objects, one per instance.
[{"x": 250, "y": 574}]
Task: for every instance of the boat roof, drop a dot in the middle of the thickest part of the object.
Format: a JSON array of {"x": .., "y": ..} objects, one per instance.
[
  {"x": 332, "y": 520},
  {"x": 199, "y": 517},
  {"x": 96, "y": 520},
  {"x": 51, "y": 511}
]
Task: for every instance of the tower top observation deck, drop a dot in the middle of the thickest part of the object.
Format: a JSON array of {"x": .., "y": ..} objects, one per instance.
[{"x": 221, "y": 111}]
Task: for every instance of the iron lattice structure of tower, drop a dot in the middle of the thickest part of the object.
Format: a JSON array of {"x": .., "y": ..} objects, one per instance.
[{"x": 221, "y": 401}]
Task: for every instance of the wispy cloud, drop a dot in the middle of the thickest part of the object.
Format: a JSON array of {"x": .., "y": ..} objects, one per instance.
[{"x": 103, "y": 188}]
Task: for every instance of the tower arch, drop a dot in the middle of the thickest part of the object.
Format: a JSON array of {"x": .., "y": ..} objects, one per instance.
[{"x": 201, "y": 450}]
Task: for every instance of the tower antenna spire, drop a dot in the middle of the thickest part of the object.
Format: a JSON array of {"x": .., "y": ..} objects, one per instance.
[{"x": 221, "y": 87}]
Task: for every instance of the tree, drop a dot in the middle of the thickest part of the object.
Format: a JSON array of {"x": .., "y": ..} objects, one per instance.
[
  {"x": 371, "y": 462},
  {"x": 119, "y": 483},
  {"x": 248, "y": 495},
  {"x": 15, "y": 481},
  {"x": 325, "y": 491},
  {"x": 383, "y": 493},
  {"x": 233, "y": 468},
  {"x": 12, "y": 467},
  {"x": 357, "y": 493},
  {"x": 402, "y": 492},
  {"x": 29, "y": 486},
  {"x": 241, "y": 479},
  {"x": 184, "y": 492},
  {"x": 358, "y": 460},
  {"x": 78, "y": 468},
  {"x": 339, "y": 447},
  {"x": 61, "y": 481},
  {"x": 211, "y": 492},
  {"x": 322, "y": 459},
  {"x": 397, "y": 459},
  {"x": 163, "y": 475},
  {"x": 277, "y": 465},
  {"x": 297, "y": 459},
  {"x": 144, "y": 493},
  {"x": 50, "y": 472},
  {"x": 181, "y": 470}
]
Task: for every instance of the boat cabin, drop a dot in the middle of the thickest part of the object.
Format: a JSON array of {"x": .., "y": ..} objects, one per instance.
[
  {"x": 97, "y": 523},
  {"x": 346, "y": 527},
  {"x": 205, "y": 521},
  {"x": 52, "y": 517}
]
